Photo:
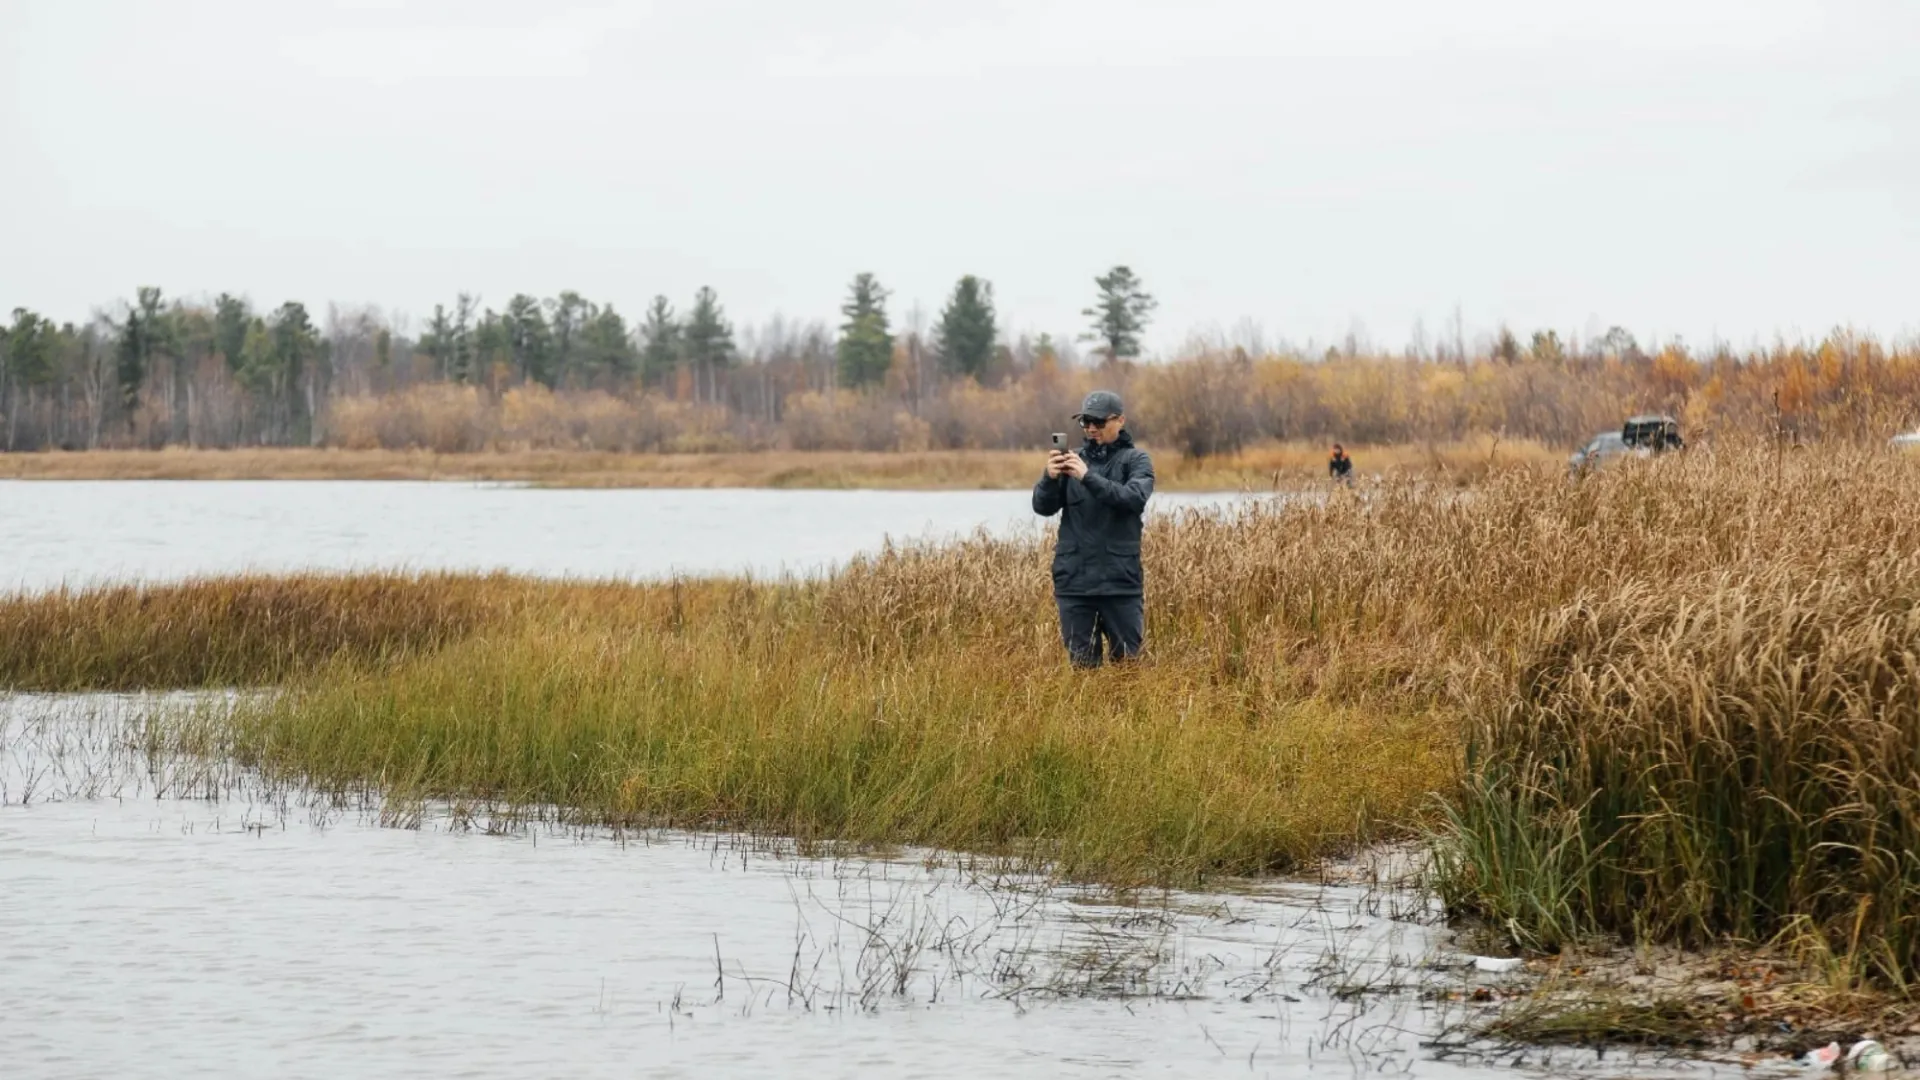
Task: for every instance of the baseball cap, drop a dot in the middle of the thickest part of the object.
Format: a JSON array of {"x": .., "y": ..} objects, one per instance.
[{"x": 1099, "y": 405}]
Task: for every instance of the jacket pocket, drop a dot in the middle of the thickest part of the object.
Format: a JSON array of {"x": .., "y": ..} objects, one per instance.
[{"x": 1123, "y": 564}]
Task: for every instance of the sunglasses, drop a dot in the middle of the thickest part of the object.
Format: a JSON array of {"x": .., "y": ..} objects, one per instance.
[{"x": 1090, "y": 422}]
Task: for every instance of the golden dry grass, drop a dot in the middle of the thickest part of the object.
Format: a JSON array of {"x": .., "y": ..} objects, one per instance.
[
  {"x": 1262, "y": 468},
  {"x": 248, "y": 630},
  {"x": 1729, "y": 756}
]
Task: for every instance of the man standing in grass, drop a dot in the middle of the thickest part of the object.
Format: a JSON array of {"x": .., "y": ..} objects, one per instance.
[
  {"x": 1101, "y": 496},
  {"x": 1340, "y": 466}
]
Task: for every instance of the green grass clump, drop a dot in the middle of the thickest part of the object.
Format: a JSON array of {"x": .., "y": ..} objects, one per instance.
[{"x": 1128, "y": 775}]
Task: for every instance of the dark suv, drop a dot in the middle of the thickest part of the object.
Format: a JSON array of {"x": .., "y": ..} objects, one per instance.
[
  {"x": 1655, "y": 433},
  {"x": 1640, "y": 436}
]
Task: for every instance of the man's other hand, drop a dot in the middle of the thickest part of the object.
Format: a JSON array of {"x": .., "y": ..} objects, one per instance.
[
  {"x": 1056, "y": 461},
  {"x": 1073, "y": 466}
]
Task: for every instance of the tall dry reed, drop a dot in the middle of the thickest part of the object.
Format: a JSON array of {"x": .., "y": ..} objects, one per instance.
[
  {"x": 230, "y": 631},
  {"x": 1731, "y": 756}
]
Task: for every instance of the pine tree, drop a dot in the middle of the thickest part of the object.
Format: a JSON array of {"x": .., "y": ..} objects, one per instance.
[
  {"x": 144, "y": 334},
  {"x": 256, "y": 367},
  {"x": 570, "y": 312},
  {"x": 659, "y": 342},
  {"x": 26, "y": 361},
  {"x": 29, "y": 348},
  {"x": 231, "y": 317},
  {"x": 461, "y": 361},
  {"x": 708, "y": 343},
  {"x": 528, "y": 340},
  {"x": 966, "y": 330},
  {"x": 866, "y": 344},
  {"x": 1506, "y": 347},
  {"x": 296, "y": 345},
  {"x": 604, "y": 344},
  {"x": 1120, "y": 314},
  {"x": 492, "y": 345}
]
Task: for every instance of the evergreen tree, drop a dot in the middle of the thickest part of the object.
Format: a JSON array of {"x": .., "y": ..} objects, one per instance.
[
  {"x": 461, "y": 359},
  {"x": 1506, "y": 347},
  {"x": 966, "y": 331},
  {"x": 26, "y": 361},
  {"x": 659, "y": 342},
  {"x": 605, "y": 347},
  {"x": 231, "y": 318},
  {"x": 492, "y": 345},
  {"x": 296, "y": 346},
  {"x": 866, "y": 344},
  {"x": 28, "y": 348},
  {"x": 707, "y": 340},
  {"x": 570, "y": 312},
  {"x": 1120, "y": 314},
  {"x": 256, "y": 370},
  {"x": 528, "y": 340},
  {"x": 143, "y": 335}
]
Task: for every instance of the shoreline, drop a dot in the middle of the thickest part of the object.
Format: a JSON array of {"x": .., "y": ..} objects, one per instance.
[
  {"x": 1260, "y": 468},
  {"x": 1744, "y": 1004},
  {"x": 1747, "y": 1004}
]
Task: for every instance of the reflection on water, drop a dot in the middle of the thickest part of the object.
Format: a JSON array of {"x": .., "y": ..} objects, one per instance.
[
  {"x": 173, "y": 917},
  {"x": 53, "y": 531}
]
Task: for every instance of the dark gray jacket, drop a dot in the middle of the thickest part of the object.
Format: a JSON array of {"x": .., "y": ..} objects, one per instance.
[{"x": 1098, "y": 553}]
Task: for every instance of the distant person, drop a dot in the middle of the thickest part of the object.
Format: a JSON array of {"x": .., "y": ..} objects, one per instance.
[
  {"x": 1340, "y": 466},
  {"x": 1100, "y": 493}
]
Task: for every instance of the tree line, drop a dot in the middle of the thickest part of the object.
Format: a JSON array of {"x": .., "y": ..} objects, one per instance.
[
  {"x": 154, "y": 372},
  {"x": 571, "y": 372}
]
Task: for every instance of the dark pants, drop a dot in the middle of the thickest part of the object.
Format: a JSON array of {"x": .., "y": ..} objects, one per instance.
[{"x": 1087, "y": 623}]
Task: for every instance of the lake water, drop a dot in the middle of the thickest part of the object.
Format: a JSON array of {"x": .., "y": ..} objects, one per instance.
[
  {"x": 174, "y": 918},
  {"x": 54, "y": 532}
]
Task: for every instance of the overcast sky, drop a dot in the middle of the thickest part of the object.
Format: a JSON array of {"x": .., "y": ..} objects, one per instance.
[{"x": 1730, "y": 168}]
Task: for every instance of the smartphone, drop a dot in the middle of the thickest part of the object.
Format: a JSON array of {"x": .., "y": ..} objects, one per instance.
[{"x": 1060, "y": 440}]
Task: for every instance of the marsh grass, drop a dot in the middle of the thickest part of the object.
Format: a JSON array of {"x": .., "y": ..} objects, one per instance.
[
  {"x": 1732, "y": 756},
  {"x": 1713, "y": 632},
  {"x": 250, "y": 630},
  {"x": 1726, "y": 752},
  {"x": 1129, "y": 775}
]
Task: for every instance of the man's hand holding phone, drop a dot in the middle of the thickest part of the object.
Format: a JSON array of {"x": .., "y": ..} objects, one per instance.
[{"x": 1062, "y": 461}]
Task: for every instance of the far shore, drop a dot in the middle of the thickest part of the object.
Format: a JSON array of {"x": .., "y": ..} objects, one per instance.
[{"x": 1272, "y": 465}]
